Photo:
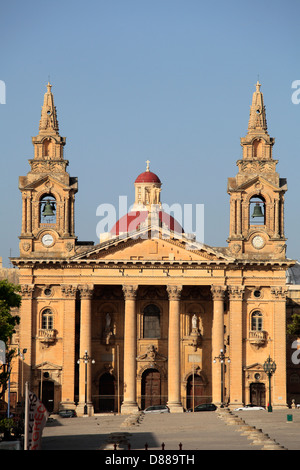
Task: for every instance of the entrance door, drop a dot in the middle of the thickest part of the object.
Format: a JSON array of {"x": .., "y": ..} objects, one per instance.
[
  {"x": 195, "y": 391},
  {"x": 151, "y": 388},
  {"x": 258, "y": 394},
  {"x": 48, "y": 395},
  {"x": 106, "y": 392}
]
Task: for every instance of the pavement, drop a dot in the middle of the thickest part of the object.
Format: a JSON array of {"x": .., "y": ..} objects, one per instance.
[{"x": 211, "y": 430}]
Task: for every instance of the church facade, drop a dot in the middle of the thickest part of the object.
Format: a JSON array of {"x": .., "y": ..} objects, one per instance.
[{"x": 150, "y": 315}]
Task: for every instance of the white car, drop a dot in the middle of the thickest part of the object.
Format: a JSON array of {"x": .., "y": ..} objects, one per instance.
[
  {"x": 250, "y": 408},
  {"x": 157, "y": 409}
]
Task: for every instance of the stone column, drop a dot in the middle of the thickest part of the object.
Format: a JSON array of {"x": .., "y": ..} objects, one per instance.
[
  {"x": 278, "y": 379},
  {"x": 236, "y": 344},
  {"x": 129, "y": 404},
  {"x": 86, "y": 293},
  {"x": 174, "y": 379},
  {"x": 68, "y": 380},
  {"x": 218, "y": 293}
]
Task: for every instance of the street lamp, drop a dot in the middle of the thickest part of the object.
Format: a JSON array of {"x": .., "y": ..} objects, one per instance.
[
  {"x": 221, "y": 358},
  {"x": 86, "y": 358},
  {"x": 269, "y": 368}
]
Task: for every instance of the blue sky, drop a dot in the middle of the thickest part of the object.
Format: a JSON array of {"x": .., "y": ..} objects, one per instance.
[{"x": 170, "y": 81}]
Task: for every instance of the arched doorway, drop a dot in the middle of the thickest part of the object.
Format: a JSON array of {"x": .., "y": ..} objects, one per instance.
[
  {"x": 258, "y": 394},
  {"x": 195, "y": 391},
  {"x": 106, "y": 392},
  {"x": 151, "y": 388}
]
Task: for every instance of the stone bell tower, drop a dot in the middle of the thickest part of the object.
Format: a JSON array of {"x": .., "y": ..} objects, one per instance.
[
  {"x": 257, "y": 193},
  {"x": 48, "y": 193}
]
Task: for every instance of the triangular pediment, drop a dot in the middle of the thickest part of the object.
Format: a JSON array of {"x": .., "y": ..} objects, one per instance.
[
  {"x": 47, "y": 179},
  {"x": 158, "y": 247},
  {"x": 254, "y": 181},
  {"x": 47, "y": 366}
]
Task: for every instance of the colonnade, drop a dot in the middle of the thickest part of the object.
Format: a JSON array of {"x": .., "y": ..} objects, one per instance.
[{"x": 129, "y": 404}]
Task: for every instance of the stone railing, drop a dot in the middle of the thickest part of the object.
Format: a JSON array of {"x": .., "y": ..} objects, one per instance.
[
  {"x": 47, "y": 336},
  {"x": 257, "y": 338}
]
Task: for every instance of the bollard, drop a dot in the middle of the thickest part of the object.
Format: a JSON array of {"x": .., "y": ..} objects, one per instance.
[
  {"x": 289, "y": 418},
  {"x": 163, "y": 446},
  {"x": 146, "y": 446},
  {"x": 180, "y": 446}
]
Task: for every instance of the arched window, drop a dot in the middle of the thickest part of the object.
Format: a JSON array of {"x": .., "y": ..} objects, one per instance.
[
  {"x": 48, "y": 209},
  {"x": 151, "y": 321},
  {"x": 256, "y": 321},
  {"x": 47, "y": 319}
]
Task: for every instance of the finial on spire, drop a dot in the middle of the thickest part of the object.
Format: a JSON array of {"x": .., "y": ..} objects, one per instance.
[
  {"x": 48, "y": 122},
  {"x": 148, "y": 165},
  {"x": 257, "y": 121}
]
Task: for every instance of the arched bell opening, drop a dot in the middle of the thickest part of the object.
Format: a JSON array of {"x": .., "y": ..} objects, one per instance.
[
  {"x": 48, "y": 209},
  {"x": 257, "y": 211}
]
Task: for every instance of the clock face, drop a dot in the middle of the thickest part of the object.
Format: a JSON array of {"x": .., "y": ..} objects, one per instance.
[
  {"x": 47, "y": 239},
  {"x": 258, "y": 242}
]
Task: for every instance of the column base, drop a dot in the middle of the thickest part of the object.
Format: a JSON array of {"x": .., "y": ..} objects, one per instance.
[
  {"x": 83, "y": 409},
  {"x": 175, "y": 407},
  {"x": 127, "y": 408}
]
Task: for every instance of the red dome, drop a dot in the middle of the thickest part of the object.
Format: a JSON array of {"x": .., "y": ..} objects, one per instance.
[
  {"x": 147, "y": 177},
  {"x": 131, "y": 222}
]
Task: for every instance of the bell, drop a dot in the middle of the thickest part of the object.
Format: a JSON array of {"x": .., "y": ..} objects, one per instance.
[
  {"x": 47, "y": 211},
  {"x": 257, "y": 212}
]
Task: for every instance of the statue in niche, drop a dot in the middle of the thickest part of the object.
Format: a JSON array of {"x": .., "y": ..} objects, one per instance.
[
  {"x": 195, "y": 334},
  {"x": 108, "y": 331},
  {"x": 194, "y": 322}
]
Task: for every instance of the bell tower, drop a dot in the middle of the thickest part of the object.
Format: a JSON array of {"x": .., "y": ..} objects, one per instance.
[
  {"x": 257, "y": 192},
  {"x": 48, "y": 192}
]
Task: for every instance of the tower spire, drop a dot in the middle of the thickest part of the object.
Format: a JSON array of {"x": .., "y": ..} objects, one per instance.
[
  {"x": 257, "y": 119},
  {"x": 48, "y": 122}
]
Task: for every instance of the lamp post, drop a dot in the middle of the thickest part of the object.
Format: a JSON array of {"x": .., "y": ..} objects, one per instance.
[
  {"x": 269, "y": 368},
  {"x": 221, "y": 358},
  {"x": 22, "y": 356},
  {"x": 86, "y": 358}
]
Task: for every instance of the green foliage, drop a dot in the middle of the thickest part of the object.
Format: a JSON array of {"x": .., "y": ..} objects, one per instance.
[
  {"x": 9, "y": 298},
  {"x": 293, "y": 328}
]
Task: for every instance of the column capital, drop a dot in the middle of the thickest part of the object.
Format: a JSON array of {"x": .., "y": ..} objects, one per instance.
[
  {"x": 69, "y": 290},
  {"x": 27, "y": 290},
  {"x": 129, "y": 292},
  {"x": 174, "y": 292},
  {"x": 86, "y": 291},
  {"x": 218, "y": 292},
  {"x": 236, "y": 292},
  {"x": 279, "y": 292}
]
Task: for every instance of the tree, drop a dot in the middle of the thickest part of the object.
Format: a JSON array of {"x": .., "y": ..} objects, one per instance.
[
  {"x": 9, "y": 298},
  {"x": 293, "y": 328}
]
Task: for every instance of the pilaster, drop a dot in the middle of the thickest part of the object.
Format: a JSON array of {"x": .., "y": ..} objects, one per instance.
[
  {"x": 218, "y": 294},
  {"x": 236, "y": 344},
  {"x": 86, "y": 294}
]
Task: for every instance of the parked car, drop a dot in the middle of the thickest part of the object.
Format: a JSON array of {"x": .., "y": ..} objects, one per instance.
[
  {"x": 203, "y": 407},
  {"x": 67, "y": 413},
  {"x": 157, "y": 409},
  {"x": 251, "y": 408}
]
